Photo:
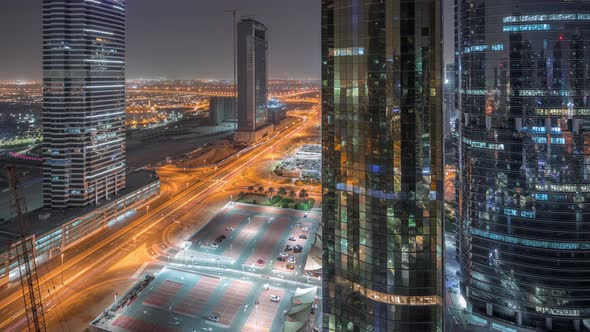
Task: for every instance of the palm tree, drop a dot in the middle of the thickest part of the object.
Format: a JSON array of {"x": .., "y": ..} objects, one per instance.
[
  {"x": 242, "y": 194},
  {"x": 292, "y": 193},
  {"x": 271, "y": 191},
  {"x": 261, "y": 189},
  {"x": 282, "y": 191},
  {"x": 303, "y": 193},
  {"x": 251, "y": 188}
]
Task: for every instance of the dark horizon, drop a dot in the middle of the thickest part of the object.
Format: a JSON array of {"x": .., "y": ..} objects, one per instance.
[
  {"x": 193, "y": 40},
  {"x": 190, "y": 40}
]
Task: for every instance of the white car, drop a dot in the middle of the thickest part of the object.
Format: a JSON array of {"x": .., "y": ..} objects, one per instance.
[
  {"x": 305, "y": 228},
  {"x": 275, "y": 298},
  {"x": 292, "y": 259},
  {"x": 231, "y": 229},
  {"x": 283, "y": 254},
  {"x": 213, "y": 318},
  {"x": 214, "y": 245}
]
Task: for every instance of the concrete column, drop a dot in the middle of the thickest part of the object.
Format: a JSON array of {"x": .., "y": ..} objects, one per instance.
[
  {"x": 518, "y": 318},
  {"x": 489, "y": 309},
  {"x": 548, "y": 324},
  {"x": 577, "y": 325}
]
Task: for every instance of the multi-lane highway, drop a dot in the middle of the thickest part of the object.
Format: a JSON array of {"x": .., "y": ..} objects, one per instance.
[{"x": 89, "y": 264}]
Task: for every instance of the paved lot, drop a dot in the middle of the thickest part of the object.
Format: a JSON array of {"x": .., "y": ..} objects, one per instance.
[
  {"x": 260, "y": 233},
  {"x": 232, "y": 301},
  {"x": 198, "y": 297},
  {"x": 163, "y": 295},
  {"x": 264, "y": 313},
  {"x": 226, "y": 281}
]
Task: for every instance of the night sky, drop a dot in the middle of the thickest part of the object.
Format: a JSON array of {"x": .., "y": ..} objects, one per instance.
[{"x": 185, "y": 39}]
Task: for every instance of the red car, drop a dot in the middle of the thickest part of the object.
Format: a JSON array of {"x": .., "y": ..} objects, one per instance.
[{"x": 260, "y": 261}]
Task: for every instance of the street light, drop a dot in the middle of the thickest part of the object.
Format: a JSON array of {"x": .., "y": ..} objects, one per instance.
[{"x": 147, "y": 209}]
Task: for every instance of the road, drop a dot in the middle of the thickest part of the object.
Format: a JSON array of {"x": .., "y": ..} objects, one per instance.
[{"x": 88, "y": 265}]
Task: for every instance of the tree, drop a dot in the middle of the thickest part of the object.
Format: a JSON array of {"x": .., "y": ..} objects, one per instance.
[
  {"x": 242, "y": 194},
  {"x": 303, "y": 193},
  {"x": 292, "y": 193},
  {"x": 251, "y": 188},
  {"x": 261, "y": 189},
  {"x": 282, "y": 191},
  {"x": 271, "y": 191}
]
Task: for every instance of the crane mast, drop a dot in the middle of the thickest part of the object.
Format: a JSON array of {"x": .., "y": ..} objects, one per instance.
[{"x": 25, "y": 255}]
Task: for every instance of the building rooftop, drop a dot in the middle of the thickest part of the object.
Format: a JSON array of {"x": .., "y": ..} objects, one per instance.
[{"x": 43, "y": 220}]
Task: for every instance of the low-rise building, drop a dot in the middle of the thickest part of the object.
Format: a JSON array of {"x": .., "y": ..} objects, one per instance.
[{"x": 53, "y": 231}]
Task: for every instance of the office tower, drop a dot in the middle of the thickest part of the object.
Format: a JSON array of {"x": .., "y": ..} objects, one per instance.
[
  {"x": 382, "y": 165},
  {"x": 83, "y": 101},
  {"x": 525, "y": 235},
  {"x": 252, "y": 78},
  {"x": 222, "y": 109},
  {"x": 449, "y": 97}
]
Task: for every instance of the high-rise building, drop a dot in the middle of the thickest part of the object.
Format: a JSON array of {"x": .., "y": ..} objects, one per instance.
[
  {"x": 83, "y": 101},
  {"x": 222, "y": 109},
  {"x": 449, "y": 97},
  {"x": 382, "y": 165},
  {"x": 525, "y": 167},
  {"x": 252, "y": 79}
]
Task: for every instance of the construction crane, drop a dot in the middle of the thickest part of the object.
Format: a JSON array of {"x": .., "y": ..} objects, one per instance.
[{"x": 25, "y": 255}]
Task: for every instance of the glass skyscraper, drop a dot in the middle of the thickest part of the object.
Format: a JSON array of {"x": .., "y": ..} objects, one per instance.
[
  {"x": 525, "y": 161},
  {"x": 83, "y": 101},
  {"x": 252, "y": 75},
  {"x": 382, "y": 165}
]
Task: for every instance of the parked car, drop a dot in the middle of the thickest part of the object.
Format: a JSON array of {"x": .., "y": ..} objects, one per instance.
[
  {"x": 303, "y": 236},
  {"x": 299, "y": 224},
  {"x": 305, "y": 228},
  {"x": 292, "y": 259},
  {"x": 284, "y": 254},
  {"x": 218, "y": 239},
  {"x": 231, "y": 229},
  {"x": 292, "y": 238},
  {"x": 214, "y": 245},
  {"x": 290, "y": 266},
  {"x": 288, "y": 248},
  {"x": 213, "y": 318},
  {"x": 260, "y": 261},
  {"x": 275, "y": 298},
  {"x": 305, "y": 215},
  {"x": 281, "y": 259},
  {"x": 223, "y": 237}
]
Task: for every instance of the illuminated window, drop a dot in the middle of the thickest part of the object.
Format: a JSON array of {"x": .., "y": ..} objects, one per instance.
[{"x": 526, "y": 27}]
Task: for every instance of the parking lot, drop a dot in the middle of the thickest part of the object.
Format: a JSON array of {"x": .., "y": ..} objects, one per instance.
[
  {"x": 254, "y": 238},
  {"x": 179, "y": 300},
  {"x": 236, "y": 284}
]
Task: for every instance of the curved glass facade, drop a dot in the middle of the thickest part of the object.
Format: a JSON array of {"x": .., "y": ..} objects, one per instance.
[
  {"x": 382, "y": 130},
  {"x": 525, "y": 160}
]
